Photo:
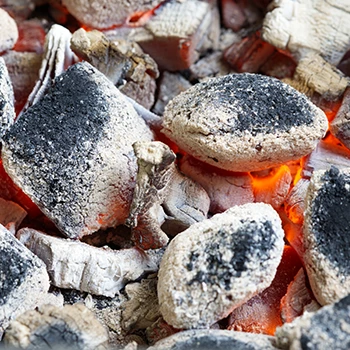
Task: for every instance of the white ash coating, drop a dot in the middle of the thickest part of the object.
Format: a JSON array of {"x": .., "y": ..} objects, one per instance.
[
  {"x": 76, "y": 265},
  {"x": 72, "y": 154},
  {"x": 101, "y": 14},
  {"x": 7, "y": 110},
  {"x": 51, "y": 327},
  {"x": 214, "y": 339},
  {"x": 244, "y": 122},
  {"x": 24, "y": 281},
  {"x": 8, "y": 30},
  {"x": 327, "y": 328},
  {"x": 326, "y": 234},
  {"x": 218, "y": 264}
]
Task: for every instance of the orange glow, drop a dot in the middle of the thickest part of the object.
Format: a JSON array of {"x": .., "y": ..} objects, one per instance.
[
  {"x": 297, "y": 176},
  {"x": 268, "y": 183}
]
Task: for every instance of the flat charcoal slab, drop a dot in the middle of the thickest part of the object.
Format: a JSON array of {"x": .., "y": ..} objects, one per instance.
[
  {"x": 23, "y": 278},
  {"x": 214, "y": 340},
  {"x": 328, "y": 328},
  {"x": 326, "y": 234},
  {"x": 218, "y": 264},
  {"x": 7, "y": 110},
  {"x": 244, "y": 122},
  {"x": 76, "y": 265},
  {"x": 71, "y": 153}
]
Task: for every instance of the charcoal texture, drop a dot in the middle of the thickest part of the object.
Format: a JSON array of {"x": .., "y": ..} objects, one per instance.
[
  {"x": 218, "y": 264},
  {"x": 244, "y": 122},
  {"x": 326, "y": 234},
  {"x": 72, "y": 152}
]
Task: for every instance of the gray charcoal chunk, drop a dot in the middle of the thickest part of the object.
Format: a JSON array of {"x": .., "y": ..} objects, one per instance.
[
  {"x": 214, "y": 340},
  {"x": 71, "y": 152},
  {"x": 326, "y": 234},
  {"x": 244, "y": 122},
  {"x": 328, "y": 328},
  {"x": 218, "y": 264},
  {"x": 23, "y": 278},
  {"x": 7, "y": 111}
]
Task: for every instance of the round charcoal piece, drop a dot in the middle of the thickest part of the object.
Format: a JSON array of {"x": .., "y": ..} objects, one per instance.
[
  {"x": 244, "y": 122},
  {"x": 218, "y": 264},
  {"x": 326, "y": 234}
]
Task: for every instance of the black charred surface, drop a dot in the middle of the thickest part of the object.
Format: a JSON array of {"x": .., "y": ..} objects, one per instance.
[
  {"x": 329, "y": 328},
  {"x": 213, "y": 342},
  {"x": 263, "y": 104},
  {"x": 252, "y": 241},
  {"x": 330, "y": 219},
  {"x": 14, "y": 265}
]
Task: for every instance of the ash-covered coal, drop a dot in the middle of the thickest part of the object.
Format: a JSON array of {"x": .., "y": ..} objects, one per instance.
[
  {"x": 71, "y": 152},
  {"x": 244, "y": 122},
  {"x": 326, "y": 234}
]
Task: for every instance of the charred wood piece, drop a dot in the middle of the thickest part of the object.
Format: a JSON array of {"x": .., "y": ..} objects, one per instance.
[
  {"x": 326, "y": 238},
  {"x": 9, "y": 31},
  {"x": 119, "y": 61},
  {"x": 24, "y": 281},
  {"x": 18, "y": 9},
  {"x": 215, "y": 340},
  {"x": 11, "y": 213},
  {"x": 218, "y": 264},
  {"x": 7, "y": 111},
  {"x": 244, "y": 122},
  {"x": 72, "y": 152},
  {"x": 50, "y": 327},
  {"x": 159, "y": 330},
  {"x": 328, "y": 328},
  {"x": 162, "y": 193},
  {"x": 76, "y": 265}
]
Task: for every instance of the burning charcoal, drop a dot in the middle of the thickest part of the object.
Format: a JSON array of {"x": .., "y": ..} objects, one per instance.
[
  {"x": 249, "y": 54},
  {"x": 309, "y": 27},
  {"x": 328, "y": 328},
  {"x": 11, "y": 212},
  {"x": 57, "y": 57},
  {"x": 244, "y": 122},
  {"x": 218, "y": 264},
  {"x": 279, "y": 65},
  {"x": 23, "y": 68},
  {"x": 340, "y": 125},
  {"x": 142, "y": 309},
  {"x": 215, "y": 339},
  {"x": 313, "y": 74},
  {"x": 18, "y": 9},
  {"x": 72, "y": 152},
  {"x": 102, "y": 14},
  {"x": 273, "y": 188},
  {"x": 297, "y": 299},
  {"x": 9, "y": 31},
  {"x": 170, "y": 85},
  {"x": 326, "y": 237},
  {"x": 261, "y": 314},
  {"x": 24, "y": 281},
  {"x": 159, "y": 330},
  {"x": 178, "y": 33},
  {"x": 118, "y": 61},
  {"x": 76, "y": 265},
  {"x": 225, "y": 189},
  {"x": 7, "y": 111},
  {"x": 49, "y": 327},
  {"x": 162, "y": 192}
]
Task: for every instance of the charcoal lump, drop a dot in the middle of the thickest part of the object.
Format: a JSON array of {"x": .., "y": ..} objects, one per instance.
[
  {"x": 72, "y": 154},
  {"x": 244, "y": 122},
  {"x": 218, "y": 264}
]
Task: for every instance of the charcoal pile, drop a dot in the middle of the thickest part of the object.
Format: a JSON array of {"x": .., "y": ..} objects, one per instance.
[{"x": 174, "y": 174}]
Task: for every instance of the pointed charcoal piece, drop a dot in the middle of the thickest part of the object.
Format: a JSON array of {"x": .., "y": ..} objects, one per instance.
[
  {"x": 215, "y": 339},
  {"x": 7, "y": 111},
  {"x": 326, "y": 234},
  {"x": 218, "y": 264},
  {"x": 76, "y": 265},
  {"x": 71, "y": 153},
  {"x": 328, "y": 328},
  {"x": 23, "y": 278},
  {"x": 50, "y": 327},
  {"x": 244, "y": 122}
]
